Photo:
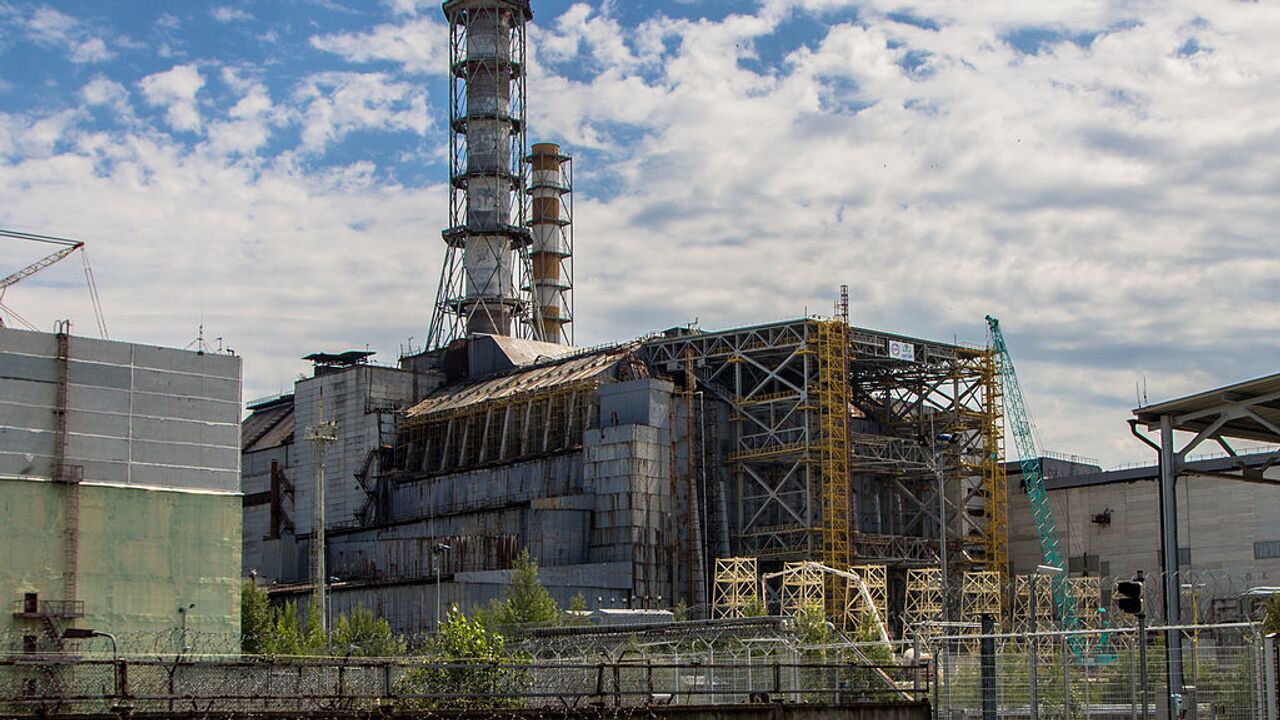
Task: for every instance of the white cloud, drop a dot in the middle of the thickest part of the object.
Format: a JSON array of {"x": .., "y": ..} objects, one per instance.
[
  {"x": 420, "y": 45},
  {"x": 52, "y": 28},
  {"x": 335, "y": 104},
  {"x": 175, "y": 89},
  {"x": 104, "y": 91},
  {"x": 226, "y": 14}
]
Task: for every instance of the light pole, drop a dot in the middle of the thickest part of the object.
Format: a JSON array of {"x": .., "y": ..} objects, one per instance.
[
  {"x": 438, "y": 552},
  {"x": 84, "y": 633},
  {"x": 184, "y": 610},
  {"x": 1034, "y": 660},
  {"x": 328, "y": 609},
  {"x": 949, "y": 439}
]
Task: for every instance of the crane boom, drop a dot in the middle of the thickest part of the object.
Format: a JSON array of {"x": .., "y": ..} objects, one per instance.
[
  {"x": 66, "y": 247},
  {"x": 1033, "y": 479},
  {"x": 40, "y": 264}
]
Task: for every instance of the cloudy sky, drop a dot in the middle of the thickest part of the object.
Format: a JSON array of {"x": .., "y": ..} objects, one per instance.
[{"x": 1102, "y": 176}]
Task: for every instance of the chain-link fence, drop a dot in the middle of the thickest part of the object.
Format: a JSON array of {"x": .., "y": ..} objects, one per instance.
[
  {"x": 1099, "y": 675},
  {"x": 318, "y": 684}
]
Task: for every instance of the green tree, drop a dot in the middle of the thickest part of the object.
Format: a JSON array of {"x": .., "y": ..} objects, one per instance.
[
  {"x": 1271, "y": 618},
  {"x": 528, "y": 602},
  {"x": 811, "y": 625},
  {"x": 469, "y": 661},
  {"x": 285, "y": 636},
  {"x": 255, "y": 618},
  {"x": 754, "y": 608},
  {"x": 576, "y": 613},
  {"x": 365, "y": 635}
]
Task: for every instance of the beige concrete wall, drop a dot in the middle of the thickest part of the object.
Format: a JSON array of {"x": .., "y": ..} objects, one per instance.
[{"x": 1219, "y": 520}]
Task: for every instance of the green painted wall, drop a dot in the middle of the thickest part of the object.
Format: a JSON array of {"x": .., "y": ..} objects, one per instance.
[{"x": 143, "y": 553}]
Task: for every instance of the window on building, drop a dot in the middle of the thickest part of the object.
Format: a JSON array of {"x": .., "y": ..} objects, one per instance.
[
  {"x": 1184, "y": 556},
  {"x": 1267, "y": 550}
]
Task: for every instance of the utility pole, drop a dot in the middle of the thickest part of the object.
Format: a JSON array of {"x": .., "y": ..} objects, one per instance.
[{"x": 320, "y": 436}]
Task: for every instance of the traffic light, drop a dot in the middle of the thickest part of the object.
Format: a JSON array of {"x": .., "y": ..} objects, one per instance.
[{"x": 1130, "y": 596}]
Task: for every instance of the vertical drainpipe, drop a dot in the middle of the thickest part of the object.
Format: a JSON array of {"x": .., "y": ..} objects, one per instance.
[{"x": 550, "y": 221}]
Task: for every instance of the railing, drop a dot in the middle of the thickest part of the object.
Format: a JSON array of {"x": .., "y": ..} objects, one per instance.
[
  {"x": 352, "y": 684},
  {"x": 50, "y": 608}
]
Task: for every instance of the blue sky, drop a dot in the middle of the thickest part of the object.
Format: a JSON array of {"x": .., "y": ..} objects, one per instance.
[{"x": 1101, "y": 176}]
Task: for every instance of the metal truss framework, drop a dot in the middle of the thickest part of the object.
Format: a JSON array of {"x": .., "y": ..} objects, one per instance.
[
  {"x": 876, "y": 580},
  {"x": 776, "y": 383},
  {"x": 923, "y": 608},
  {"x": 736, "y": 587},
  {"x": 504, "y": 430},
  {"x": 982, "y": 594}
]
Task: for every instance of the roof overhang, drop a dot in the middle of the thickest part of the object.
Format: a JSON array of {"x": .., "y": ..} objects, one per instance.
[{"x": 1248, "y": 410}]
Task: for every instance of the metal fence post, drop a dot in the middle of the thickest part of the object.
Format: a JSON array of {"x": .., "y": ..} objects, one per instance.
[
  {"x": 1066, "y": 679},
  {"x": 1273, "y": 692},
  {"x": 988, "y": 668},
  {"x": 1133, "y": 684}
]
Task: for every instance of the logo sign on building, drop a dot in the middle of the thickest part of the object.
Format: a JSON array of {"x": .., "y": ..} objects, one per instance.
[{"x": 899, "y": 350}]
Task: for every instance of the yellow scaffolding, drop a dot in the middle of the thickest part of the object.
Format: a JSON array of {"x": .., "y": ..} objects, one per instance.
[
  {"x": 832, "y": 338},
  {"x": 1088, "y": 595},
  {"x": 802, "y": 585},
  {"x": 736, "y": 587},
  {"x": 995, "y": 486},
  {"x": 923, "y": 606},
  {"x": 875, "y": 578},
  {"x": 981, "y": 596},
  {"x": 1022, "y": 603}
]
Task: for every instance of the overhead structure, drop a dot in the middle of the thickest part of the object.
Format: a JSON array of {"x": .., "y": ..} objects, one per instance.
[
  {"x": 793, "y": 497},
  {"x": 1248, "y": 411},
  {"x": 487, "y": 241},
  {"x": 551, "y": 254},
  {"x": 65, "y": 248},
  {"x": 1033, "y": 480}
]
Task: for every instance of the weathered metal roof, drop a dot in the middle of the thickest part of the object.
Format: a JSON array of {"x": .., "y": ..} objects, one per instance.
[
  {"x": 544, "y": 376},
  {"x": 268, "y": 426}
]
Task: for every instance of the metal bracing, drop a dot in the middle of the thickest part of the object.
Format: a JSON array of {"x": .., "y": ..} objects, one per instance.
[
  {"x": 736, "y": 587},
  {"x": 802, "y": 587},
  {"x": 499, "y": 431},
  {"x": 923, "y": 607},
  {"x": 833, "y": 452},
  {"x": 1088, "y": 594},
  {"x": 771, "y": 379},
  {"x": 982, "y": 594},
  {"x": 876, "y": 580},
  {"x": 1022, "y": 602},
  {"x": 995, "y": 486}
]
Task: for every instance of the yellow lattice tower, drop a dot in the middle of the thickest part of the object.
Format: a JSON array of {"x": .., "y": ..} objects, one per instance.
[
  {"x": 923, "y": 601},
  {"x": 736, "y": 586},
  {"x": 980, "y": 595},
  {"x": 877, "y": 586},
  {"x": 1088, "y": 595},
  {"x": 833, "y": 454},
  {"x": 1022, "y": 603},
  {"x": 995, "y": 485},
  {"x": 802, "y": 585}
]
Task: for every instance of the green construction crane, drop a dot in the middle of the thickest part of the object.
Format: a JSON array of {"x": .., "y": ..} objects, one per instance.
[{"x": 1029, "y": 455}]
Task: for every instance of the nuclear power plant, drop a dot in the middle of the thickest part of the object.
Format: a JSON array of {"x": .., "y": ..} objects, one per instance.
[{"x": 630, "y": 472}]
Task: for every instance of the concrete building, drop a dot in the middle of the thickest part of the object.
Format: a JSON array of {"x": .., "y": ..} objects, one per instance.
[
  {"x": 1109, "y": 523},
  {"x": 625, "y": 471},
  {"x": 628, "y": 470},
  {"x": 119, "y": 492}
]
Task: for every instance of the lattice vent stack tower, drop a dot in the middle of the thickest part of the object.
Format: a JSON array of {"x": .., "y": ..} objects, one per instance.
[
  {"x": 550, "y": 219},
  {"x": 487, "y": 239}
]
